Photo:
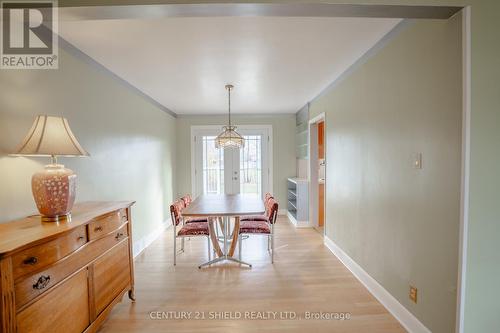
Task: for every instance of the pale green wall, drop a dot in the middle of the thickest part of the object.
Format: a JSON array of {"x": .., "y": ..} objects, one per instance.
[
  {"x": 399, "y": 223},
  {"x": 483, "y": 240},
  {"x": 482, "y": 307},
  {"x": 283, "y": 147},
  {"x": 131, "y": 141}
]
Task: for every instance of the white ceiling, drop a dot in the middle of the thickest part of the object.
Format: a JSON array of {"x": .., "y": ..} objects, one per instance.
[{"x": 277, "y": 64}]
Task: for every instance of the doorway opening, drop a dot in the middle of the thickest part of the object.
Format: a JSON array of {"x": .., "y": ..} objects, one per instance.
[
  {"x": 231, "y": 170},
  {"x": 317, "y": 175}
]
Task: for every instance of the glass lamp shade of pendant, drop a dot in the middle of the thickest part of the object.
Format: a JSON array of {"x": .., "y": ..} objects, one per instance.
[
  {"x": 229, "y": 138},
  {"x": 54, "y": 190}
]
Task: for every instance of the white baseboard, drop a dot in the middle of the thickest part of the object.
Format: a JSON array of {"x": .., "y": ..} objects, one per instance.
[
  {"x": 298, "y": 224},
  {"x": 405, "y": 317},
  {"x": 141, "y": 244}
]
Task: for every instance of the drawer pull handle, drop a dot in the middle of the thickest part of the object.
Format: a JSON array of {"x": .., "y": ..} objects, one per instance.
[
  {"x": 98, "y": 228},
  {"x": 119, "y": 235},
  {"x": 30, "y": 261},
  {"x": 42, "y": 282},
  {"x": 80, "y": 238}
]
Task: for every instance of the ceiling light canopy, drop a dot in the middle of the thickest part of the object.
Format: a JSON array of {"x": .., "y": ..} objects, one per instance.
[{"x": 229, "y": 138}]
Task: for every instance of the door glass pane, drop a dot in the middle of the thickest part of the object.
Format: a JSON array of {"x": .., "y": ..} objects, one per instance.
[
  {"x": 251, "y": 165},
  {"x": 213, "y": 167}
]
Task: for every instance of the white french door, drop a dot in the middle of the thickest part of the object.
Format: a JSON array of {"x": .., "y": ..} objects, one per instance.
[{"x": 231, "y": 171}]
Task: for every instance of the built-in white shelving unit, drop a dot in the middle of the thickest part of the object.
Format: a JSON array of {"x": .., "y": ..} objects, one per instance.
[
  {"x": 298, "y": 202},
  {"x": 302, "y": 132}
]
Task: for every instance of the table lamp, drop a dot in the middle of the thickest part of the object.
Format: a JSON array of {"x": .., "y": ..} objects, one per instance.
[{"x": 54, "y": 188}]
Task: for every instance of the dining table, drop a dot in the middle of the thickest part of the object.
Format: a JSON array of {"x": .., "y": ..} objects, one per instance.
[{"x": 229, "y": 208}]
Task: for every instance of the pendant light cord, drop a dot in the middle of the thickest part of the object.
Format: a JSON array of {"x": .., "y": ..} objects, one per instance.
[{"x": 229, "y": 103}]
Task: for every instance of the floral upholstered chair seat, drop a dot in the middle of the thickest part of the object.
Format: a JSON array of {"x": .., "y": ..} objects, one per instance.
[
  {"x": 255, "y": 227},
  {"x": 255, "y": 218},
  {"x": 194, "y": 229}
]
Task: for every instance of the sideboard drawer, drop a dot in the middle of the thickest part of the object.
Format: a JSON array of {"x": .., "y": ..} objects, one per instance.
[
  {"x": 39, "y": 256},
  {"x": 107, "y": 223},
  {"x": 65, "y": 309}
]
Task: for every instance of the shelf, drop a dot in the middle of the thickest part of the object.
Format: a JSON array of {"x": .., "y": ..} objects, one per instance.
[
  {"x": 301, "y": 132},
  {"x": 302, "y": 127},
  {"x": 297, "y": 200},
  {"x": 297, "y": 180}
]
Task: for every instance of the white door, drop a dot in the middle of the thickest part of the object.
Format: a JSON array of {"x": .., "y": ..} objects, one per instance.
[{"x": 231, "y": 171}]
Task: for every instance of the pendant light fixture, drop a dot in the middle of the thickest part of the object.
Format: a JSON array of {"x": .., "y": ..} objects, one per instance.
[{"x": 229, "y": 138}]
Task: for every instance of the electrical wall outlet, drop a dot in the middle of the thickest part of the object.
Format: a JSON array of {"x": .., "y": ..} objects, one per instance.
[{"x": 413, "y": 294}]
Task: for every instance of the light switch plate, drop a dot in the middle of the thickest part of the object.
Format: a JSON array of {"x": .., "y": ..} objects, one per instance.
[
  {"x": 413, "y": 294},
  {"x": 417, "y": 160}
]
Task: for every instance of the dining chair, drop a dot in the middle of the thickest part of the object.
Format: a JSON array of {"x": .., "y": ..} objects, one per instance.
[
  {"x": 186, "y": 199},
  {"x": 263, "y": 217},
  {"x": 261, "y": 227},
  {"x": 191, "y": 229}
]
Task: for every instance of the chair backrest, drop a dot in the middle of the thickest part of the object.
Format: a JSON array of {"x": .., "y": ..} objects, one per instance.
[
  {"x": 175, "y": 211},
  {"x": 271, "y": 210},
  {"x": 266, "y": 199},
  {"x": 187, "y": 200}
]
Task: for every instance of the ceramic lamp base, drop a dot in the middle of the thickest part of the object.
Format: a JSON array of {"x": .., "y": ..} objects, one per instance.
[{"x": 54, "y": 191}]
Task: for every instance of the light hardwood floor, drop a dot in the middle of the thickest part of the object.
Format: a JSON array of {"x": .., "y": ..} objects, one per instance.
[{"x": 306, "y": 276}]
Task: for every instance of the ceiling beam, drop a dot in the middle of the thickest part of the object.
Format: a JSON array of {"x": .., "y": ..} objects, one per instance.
[{"x": 253, "y": 9}]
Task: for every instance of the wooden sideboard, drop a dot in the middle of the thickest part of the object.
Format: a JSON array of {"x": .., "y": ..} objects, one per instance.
[{"x": 65, "y": 277}]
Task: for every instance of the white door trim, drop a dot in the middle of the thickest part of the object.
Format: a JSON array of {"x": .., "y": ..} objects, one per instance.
[
  {"x": 464, "y": 197},
  {"x": 312, "y": 147},
  {"x": 199, "y": 129}
]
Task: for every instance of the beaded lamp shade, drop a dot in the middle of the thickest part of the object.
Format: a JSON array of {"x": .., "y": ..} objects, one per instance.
[{"x": 229, "y": 138}]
